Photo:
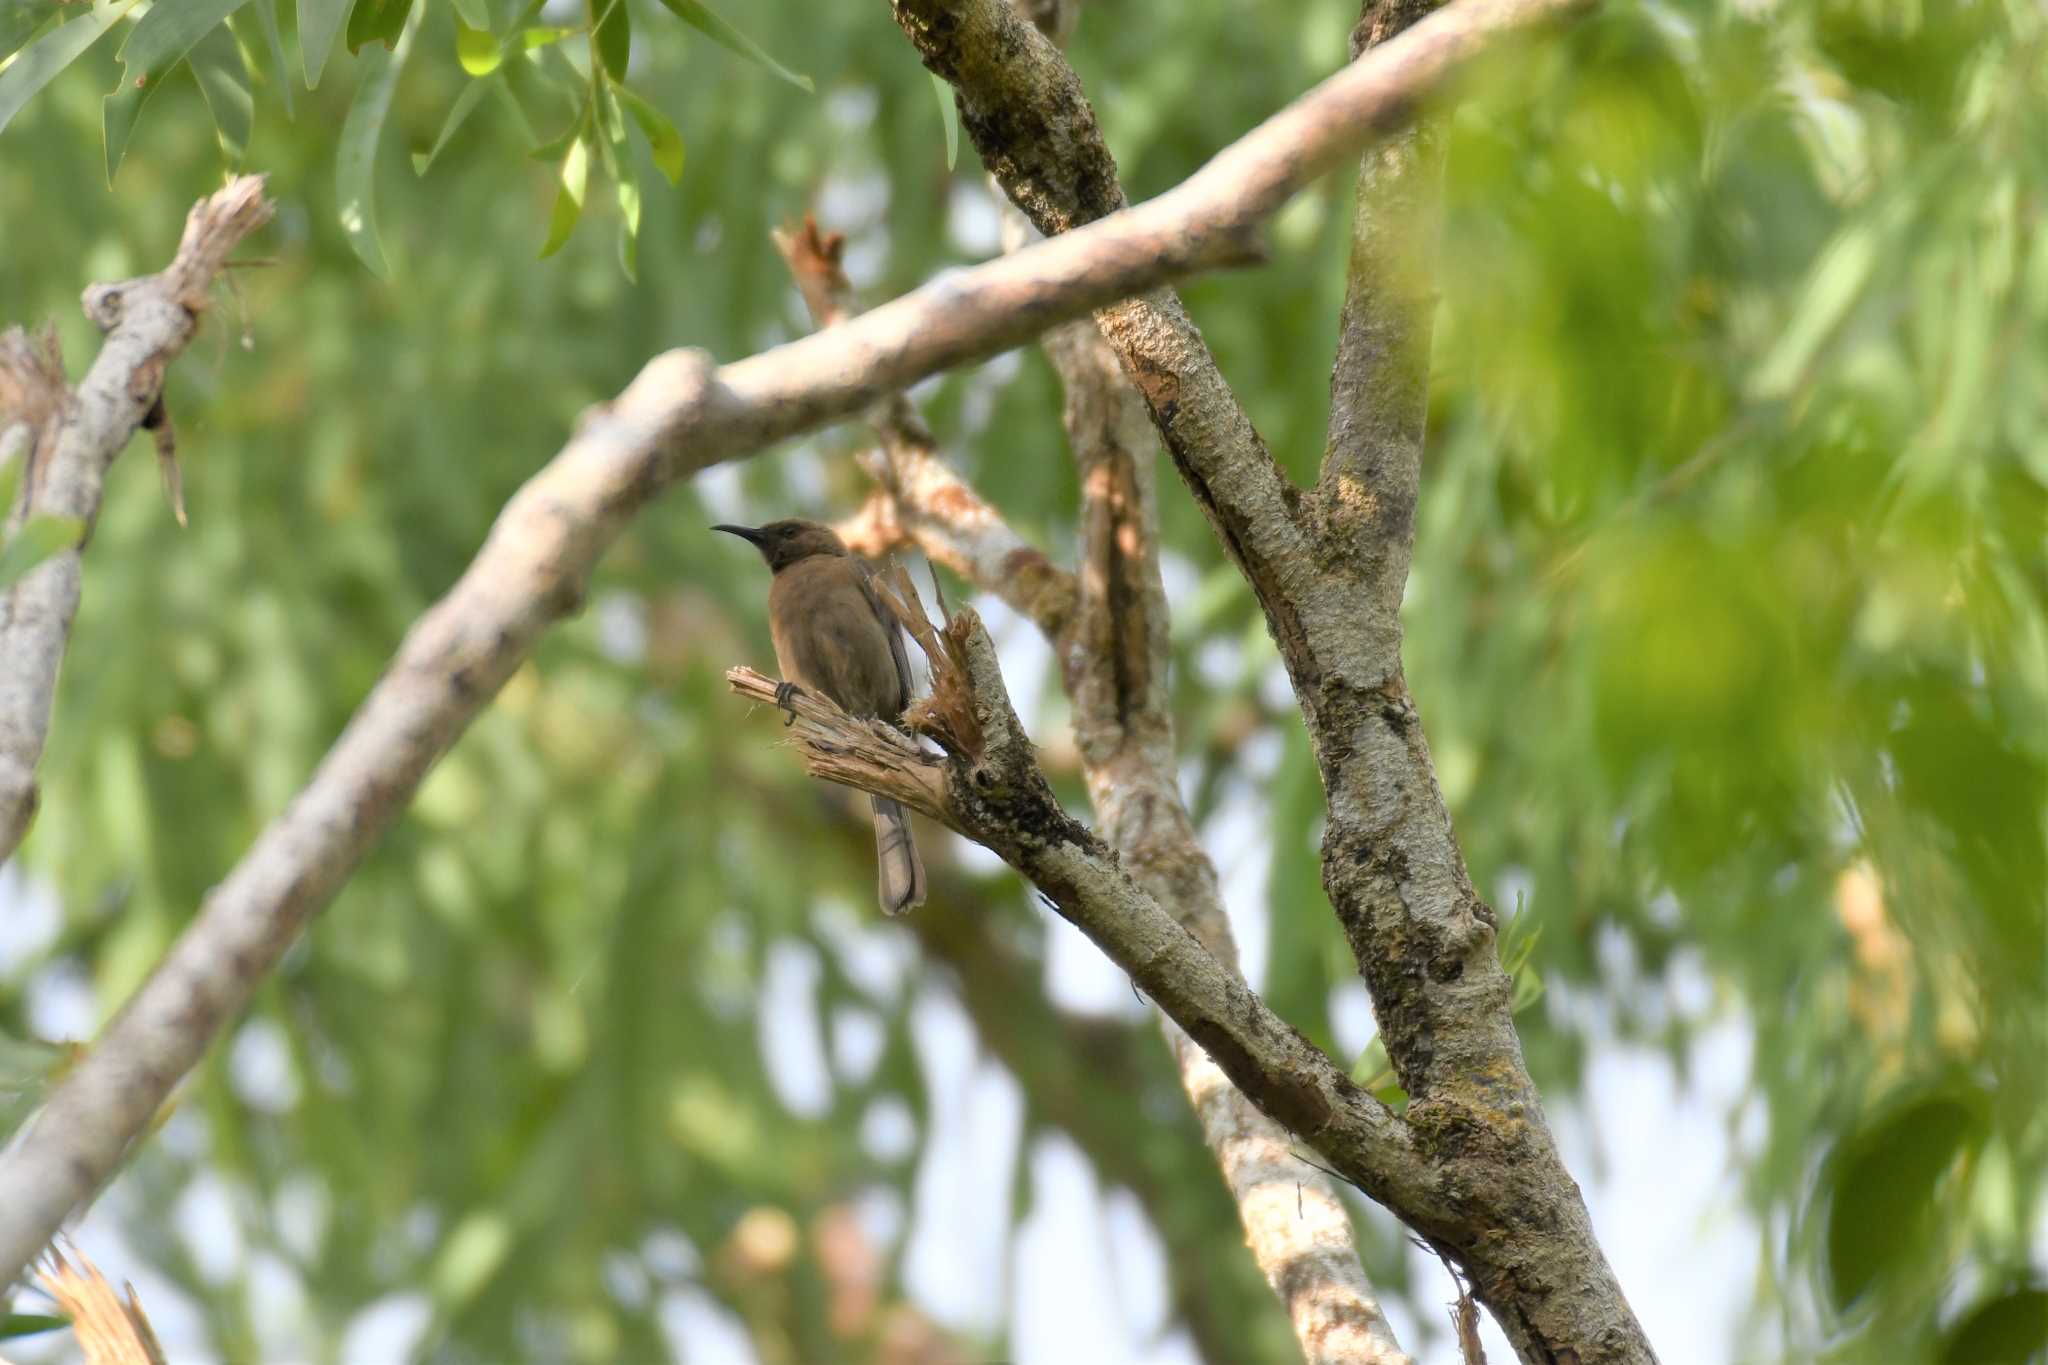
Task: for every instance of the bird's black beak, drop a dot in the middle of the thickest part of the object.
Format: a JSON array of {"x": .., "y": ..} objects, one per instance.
[{"x": 746, "y": 533}]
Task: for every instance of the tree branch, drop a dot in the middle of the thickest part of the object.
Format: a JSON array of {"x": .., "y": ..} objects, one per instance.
[
  {"x": 922, "y": 499},
  {"x": 147, "y": 322},
  {"x": 1114, "y": 656},
  {"x": 679, "y": 415},
  {"x": 987, "y": 787},
  {"x": 1379, "y": 385},
  {"x": 1329, "y": 579}
]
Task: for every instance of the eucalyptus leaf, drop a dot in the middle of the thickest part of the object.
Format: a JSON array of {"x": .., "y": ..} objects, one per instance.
[
  {"x": 575, "y": 176},
  {"x": 38, "y": 63},
  {"x": 376, "y": 21},
  {"x": 627, "y": 184},
  {"x": 273, "y": 38},
  {"x": 662, "y": 138},
  {"x": 320, "y": 23},
  {"x": 458, "y": 114},
  {"x": 949, "y": 116},
  {"x": 224, "y": 80},
  {"x": 355, "y": 164},
  {"x": 478, "y": 50},
  {"x": 708, "y": 22},
  {"x": 611, "y": 42}
]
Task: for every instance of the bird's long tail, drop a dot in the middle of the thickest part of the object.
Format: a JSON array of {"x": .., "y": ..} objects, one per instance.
[{"x": 900, "y": 881}]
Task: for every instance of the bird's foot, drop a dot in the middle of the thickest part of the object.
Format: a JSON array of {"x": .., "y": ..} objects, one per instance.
[{"x": 785, "y": 695}]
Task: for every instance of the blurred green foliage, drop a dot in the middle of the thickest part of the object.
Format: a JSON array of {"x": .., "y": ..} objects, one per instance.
[{"x": 1729, "y": 626}]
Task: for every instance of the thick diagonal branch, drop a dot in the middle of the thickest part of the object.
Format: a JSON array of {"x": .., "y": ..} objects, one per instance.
[
  {"x": 148, "y": 321},
  {"x": 681, "y": 414}
]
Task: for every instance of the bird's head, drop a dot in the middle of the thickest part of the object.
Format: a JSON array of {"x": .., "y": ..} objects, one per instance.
[{"x": 783, "y": 543}]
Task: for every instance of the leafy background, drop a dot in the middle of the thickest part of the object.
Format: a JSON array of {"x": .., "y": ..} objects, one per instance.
[{"x": 1729, "y": 626}]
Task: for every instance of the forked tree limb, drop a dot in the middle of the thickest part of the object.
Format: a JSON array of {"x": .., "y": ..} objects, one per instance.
[
  {"x": 987, "y": 787},
  {"x": 681, "y": 414},
  {"x": 1110, "y": 636},
  {"x": 1328, "y": 569}
]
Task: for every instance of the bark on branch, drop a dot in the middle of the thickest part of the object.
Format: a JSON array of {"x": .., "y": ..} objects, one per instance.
[
  {"x": 986, "y": 786},
  {"x": 1328, "y": 571},
  {"x": 1108, "y": 627},
  {"x": 147, "y": 322},
  {"x": 681, "y": 414}
]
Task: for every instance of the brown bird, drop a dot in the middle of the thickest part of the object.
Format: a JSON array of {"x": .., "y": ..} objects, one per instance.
[{"x": 833, "y": 633}]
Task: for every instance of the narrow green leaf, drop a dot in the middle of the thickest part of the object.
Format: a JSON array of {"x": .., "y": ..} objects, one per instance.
[
  {"x": 628, "y": 182},
  {"x": 36, "y": 542},
  {"x": 224, "y": 80},
  {"x": 611, "y": 38},
  {"x": 554, "y": 149},
  {"x": 569, "y": 198},
  {"x": 475, "y": 13},
  {"x": 40, "y": 61},
  {"x": 662, "y": 138},
  {"x": 949, "y": 114},
  {"x": 531, "y": 38},
  {"x": 2009, "y": 1327},
  {"x": 376, "y": 21},
  {"x": 477, "y": 49},
  {"x": 20, "y": 19},
  {"x": 702, "y": 18},
  {"x": 355, "y": 164},
  {"x": 458, "y": 114},
  {"x": 320, "y": 24},
  {"x": 1882, "y": 1185},
  {"x": 266, "y": 14},
  {"x": 610, "y": 123},
  {"x": 167, "y": 32},
  {"x": 29, "y": 1324}
]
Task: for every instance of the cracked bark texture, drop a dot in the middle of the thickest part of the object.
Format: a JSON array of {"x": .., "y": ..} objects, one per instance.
[
  {"x": 1329, "y": 569},
  {"x": 77, "y": 437},
  {"x": 682, "y": 413},
  {"x": 1107, "y": 625}
]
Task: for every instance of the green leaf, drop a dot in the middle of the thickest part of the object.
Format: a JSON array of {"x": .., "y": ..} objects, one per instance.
[
  {"x": 36, "y": 542},
  {"x": 20, "y": 19},
  {"x": 478, "y": 50},
  {"x": 611, "y": 38},
  {"x": 662, "y": 138},
  {"x": 167, "y": 32},
  {"x": 224, "y": 81},
  {"x": 458, "y": 114},
  {"x": 949, "y": 114},
  {"x": 554, "y": 149},
  {"x": 165, "y": 36},
  {"x": 29, "y": 1324},
  {"x": 1882, "y": 1186},
  {"x": 569, "y": 198},
  {"x": 320, "y": 23},
  {"x": 1528, "y": 988},
  {"x": 474, "y": 13},
  {"x": 35, "y": 65},
  {"x": 376, "y": 21},
  {"x": 355, "y": 165},
  {"x": 700, "y": 17},
  {"x": 266, "y": 14},
  {"x": 2008, "y": 1329},
  {"x": 531, "y": 38},
  {"x": 628, "y": 183}
]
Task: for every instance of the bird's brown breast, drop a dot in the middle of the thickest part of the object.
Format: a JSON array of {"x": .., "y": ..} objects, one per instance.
[{"x": 829, "y": 636}]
